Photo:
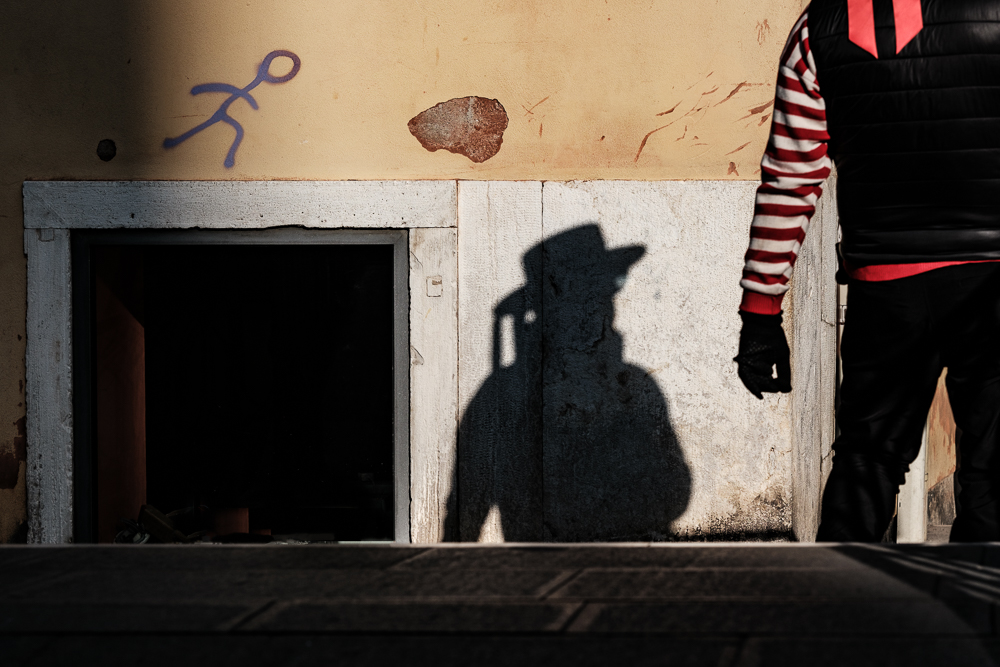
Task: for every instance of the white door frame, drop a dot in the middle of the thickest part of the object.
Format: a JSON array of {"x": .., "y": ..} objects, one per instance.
[{"x": 53, "y": 209}]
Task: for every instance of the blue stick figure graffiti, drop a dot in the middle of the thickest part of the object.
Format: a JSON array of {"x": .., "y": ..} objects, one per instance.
[{"x": 222, "y": 115}]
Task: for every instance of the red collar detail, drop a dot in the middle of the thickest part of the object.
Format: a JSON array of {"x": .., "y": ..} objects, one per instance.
[{"x": 908, "y": 16}]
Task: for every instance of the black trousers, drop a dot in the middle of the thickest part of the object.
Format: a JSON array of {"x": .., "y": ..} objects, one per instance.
[{"x": 898, "y": 336}]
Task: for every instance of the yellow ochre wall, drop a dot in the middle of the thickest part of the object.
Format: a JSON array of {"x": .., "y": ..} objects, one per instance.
[{"x": 582, "y": 81}]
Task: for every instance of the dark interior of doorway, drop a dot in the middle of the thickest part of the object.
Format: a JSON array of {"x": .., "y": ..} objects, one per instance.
[{"x": 251, "y": 386}]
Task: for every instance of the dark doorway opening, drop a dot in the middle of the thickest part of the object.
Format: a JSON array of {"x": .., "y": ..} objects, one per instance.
[{"x": 252, "y": 386}]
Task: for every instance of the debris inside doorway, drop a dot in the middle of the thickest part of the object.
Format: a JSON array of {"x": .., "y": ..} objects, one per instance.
[{"x": 190, "y": 525}]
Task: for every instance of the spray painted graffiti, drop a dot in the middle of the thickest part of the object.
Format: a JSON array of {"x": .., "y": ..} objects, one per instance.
[{"x": 222, "y": 115}]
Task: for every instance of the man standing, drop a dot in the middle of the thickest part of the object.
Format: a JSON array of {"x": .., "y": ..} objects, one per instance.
[{"x": 905, "y": 99}]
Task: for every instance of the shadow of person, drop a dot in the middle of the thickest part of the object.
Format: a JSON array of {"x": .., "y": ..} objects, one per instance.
[{"x": 568, "y": 442}]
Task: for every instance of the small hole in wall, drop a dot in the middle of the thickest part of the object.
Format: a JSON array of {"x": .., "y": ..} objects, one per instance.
[{"x": 106, "y": 150}]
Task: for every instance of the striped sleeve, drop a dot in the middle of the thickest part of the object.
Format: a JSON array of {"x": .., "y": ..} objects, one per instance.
[{"x": 793, "y": 169}]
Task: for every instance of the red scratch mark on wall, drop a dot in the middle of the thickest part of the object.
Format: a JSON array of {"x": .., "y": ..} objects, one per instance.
[
  {"x": 671, "y": 110},
  {"x": 763, "y": 119},
  {"x": 762, "y": 31},
  {"x": 683, "y": 135},
  {"x": 710, "y": 92},
  {"x": 756, "y": 110},
  {"x": 705, "y": 79},
  {"x": 539, "y": 130},
  {"x": 737, "y": 150},
  {"x": 531, "y": 111},
  {"x": 735, "y": 90},
  {"x": 646, "y": 138},
  {"x": 732, "y": 169}
]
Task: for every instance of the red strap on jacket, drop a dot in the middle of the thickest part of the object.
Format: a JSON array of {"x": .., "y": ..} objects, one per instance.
[{"x": 907, "y": 14}]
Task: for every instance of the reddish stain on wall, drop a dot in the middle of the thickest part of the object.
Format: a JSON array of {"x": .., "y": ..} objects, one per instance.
[{"x": 469, "y": 126}]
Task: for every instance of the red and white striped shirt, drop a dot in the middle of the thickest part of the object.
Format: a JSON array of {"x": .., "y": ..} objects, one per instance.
[{"x": 793, "y": 170}]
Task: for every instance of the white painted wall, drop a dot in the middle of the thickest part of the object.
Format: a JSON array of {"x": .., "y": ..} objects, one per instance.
[
  {"x": 677, "y": 314},
  {"x": 755, "y": 466},
  {"x": 500, "y": 432}
]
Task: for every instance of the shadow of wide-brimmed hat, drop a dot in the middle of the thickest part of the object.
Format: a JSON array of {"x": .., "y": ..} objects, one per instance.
[{"x": 582, "y": 250}]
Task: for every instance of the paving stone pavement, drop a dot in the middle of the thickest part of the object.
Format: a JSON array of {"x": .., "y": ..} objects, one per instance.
[{"x": 722, "y": 605}]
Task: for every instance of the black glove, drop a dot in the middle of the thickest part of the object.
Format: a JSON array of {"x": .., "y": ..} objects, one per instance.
[{"x": 763, "y": 347}]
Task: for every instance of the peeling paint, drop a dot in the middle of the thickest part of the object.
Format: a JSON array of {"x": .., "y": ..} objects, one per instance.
[{"x": 469, "y": 126}]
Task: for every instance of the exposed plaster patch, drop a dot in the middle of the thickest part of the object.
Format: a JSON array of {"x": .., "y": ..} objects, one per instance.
[{"x": 469, "y": 126}]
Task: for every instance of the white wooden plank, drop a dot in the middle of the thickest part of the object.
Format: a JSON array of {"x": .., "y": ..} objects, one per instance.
[
  {"x": 49, "y": 391},
  {"x": 239, "y": 204},
  {"x": 433, "y": 379}
]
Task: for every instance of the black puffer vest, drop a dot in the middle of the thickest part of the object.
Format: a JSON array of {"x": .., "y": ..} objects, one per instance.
[{"x": 915, "y": 136}]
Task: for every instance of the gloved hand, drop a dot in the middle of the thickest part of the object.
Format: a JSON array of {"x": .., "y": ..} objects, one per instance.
[{"x": 762, "y": 347}]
